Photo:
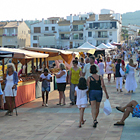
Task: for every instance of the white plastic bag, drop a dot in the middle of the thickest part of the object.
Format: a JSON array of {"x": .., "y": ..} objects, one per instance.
[
  {"x": 122, "y": 72},
  {"x": 107, "y": 107}
]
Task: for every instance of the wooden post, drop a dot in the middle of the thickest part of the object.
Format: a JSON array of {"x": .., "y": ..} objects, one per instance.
[
  {"x": 45, "y": 62},
  {"x": 26, "y": 66},
  {"x": 40, "y": 63},
  {"x": 3, "y": 68},
  {"x": 37, "y": 63},
  {"x": 33, "y": 66}
]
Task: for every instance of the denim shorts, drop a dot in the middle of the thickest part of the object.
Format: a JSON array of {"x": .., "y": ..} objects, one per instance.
[
  {"x": 95, "y": 95},
  {"x": 46, "y": 89}
]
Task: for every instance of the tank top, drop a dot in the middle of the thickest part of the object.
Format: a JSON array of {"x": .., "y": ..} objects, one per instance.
[
  {"x": 62, "y": 79},
  {"x": 95, "y": 84}
]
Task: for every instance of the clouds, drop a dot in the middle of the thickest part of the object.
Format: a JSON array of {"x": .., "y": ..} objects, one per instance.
[{"x": 31, "y": 9}]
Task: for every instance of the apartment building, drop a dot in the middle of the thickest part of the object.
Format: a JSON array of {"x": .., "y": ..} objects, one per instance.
[
  {"x": 77, "y": 29},
  {"x": 16, "y": 34},
  {"x": 2, "y": 24}
]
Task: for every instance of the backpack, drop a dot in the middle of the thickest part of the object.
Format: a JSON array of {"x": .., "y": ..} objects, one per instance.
[{"x": 127, "y": 69}]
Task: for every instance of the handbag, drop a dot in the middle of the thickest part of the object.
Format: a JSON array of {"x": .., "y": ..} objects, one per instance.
[
  {"x": 127, "y": 69},
  {"x": 107, "y": 107}
]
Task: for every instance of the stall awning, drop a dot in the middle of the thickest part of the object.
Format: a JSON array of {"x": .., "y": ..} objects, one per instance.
[
  {"x": 24, "y": 54},
  {"x": 54, "y": 54},
  {"x": 5, "y": 54}
]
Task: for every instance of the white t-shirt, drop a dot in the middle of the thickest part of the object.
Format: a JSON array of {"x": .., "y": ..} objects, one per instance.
[
  {"x": 46, "y": 77},
  {"x": 81, "y": 96},
  {"x": 86, "y": 70}
]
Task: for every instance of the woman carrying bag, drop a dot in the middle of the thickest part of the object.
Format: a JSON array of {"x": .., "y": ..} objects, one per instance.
[{"x": 95, "y": 84}]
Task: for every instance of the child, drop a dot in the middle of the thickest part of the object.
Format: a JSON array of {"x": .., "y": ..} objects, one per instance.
[
  {"x": 101, "y": 67},
  {"x": 113, "y": 68},
  {"x": 81, "y": 102},
  {"x": 45, "y": 78}
]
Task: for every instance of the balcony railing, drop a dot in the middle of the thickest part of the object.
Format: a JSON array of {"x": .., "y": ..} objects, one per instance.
[
  {"x": 101, "y": 36},
  {"x": 8, "y": 34},
  {"x": 101, "y": 28},
  {"x": 64, "y": 30},
  {"x": 78, "y": 38},
  {"x": 64, "y": 38},
  {"x": 77, "y": 30}
]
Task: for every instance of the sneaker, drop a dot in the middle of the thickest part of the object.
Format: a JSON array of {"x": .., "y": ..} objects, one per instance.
[
  {"x": 72, "y": 103},
  {"x": 46, "y": 105}
]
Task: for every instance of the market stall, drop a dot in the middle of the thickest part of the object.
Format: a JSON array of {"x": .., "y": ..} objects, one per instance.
[{"x": 26, "y": 90}]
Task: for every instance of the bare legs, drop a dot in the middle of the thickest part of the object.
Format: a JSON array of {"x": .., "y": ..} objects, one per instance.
[
  {"x": 10, "y": 104},
  {"x": 95, "y": 109},
  {"x": 62, "y": 96},
  {"x": 43, "y": 92},
  {"x": 81, "y": 120},
  {"x": 128, "y": 109},
  {"x": 109, "y": 77}
]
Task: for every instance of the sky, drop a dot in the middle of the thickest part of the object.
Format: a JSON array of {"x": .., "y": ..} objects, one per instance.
[{"x": 38, "y": 9}]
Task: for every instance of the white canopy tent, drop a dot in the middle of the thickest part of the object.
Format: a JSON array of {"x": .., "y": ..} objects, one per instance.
[
  {"x": 111, "y": 46},
  {"x": 86, "y": 47},
  {"x": 103, "y": 46}
]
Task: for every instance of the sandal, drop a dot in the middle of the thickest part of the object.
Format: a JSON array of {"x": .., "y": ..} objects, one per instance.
[
  {"x": 95, "y": 123},
  {"x": 119, "y": 109},
  {"x": 119, "y": 123},
  {"x": 83, "y": 121}
]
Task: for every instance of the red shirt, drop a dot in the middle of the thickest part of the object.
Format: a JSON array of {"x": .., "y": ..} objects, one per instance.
[{"x": 123, "y": 63}]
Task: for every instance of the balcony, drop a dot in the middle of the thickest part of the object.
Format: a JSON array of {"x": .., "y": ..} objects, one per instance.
[
  {"x": 77, "y": 38},
  {"x": 101, "y": 36},
  {"x": 77, "y": 30},
  {"x": 101, "y": 28},
  {"x": 64, "y": 38},
  {"x": 9, "y": 34}
]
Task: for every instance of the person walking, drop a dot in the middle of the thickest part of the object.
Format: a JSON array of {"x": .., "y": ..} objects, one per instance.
[
  {"x": 101, "y": 67},
  {"x": 118, "y": 76},
  {"x": 75, "y": 73},
  {"x": 61, "y": 82},
  {"x": 108, "y": 68},
  {"x": 45, "y": 78},
  {"x": 86, "y": 70},
  {"x": 10, "y": 89},
  {"x": 131, "y": 84},
  {"x": 1, "y": 97},
  {"x": 81, "y": 102},
  {"x": 95, "y": 84}
]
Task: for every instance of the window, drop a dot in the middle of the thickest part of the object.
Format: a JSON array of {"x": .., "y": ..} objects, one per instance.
[
  {"x": 110, "y": 40},
  {"x": 34, "y": 37},
  {"x": 34, "y": 44},
  {"x": 89, "y": 34},
  {"x": 53, "y": 28},
  {"x": 90, "y": 25},
  {"x": 110, "y": 33},
  {"x": 46, "y": 28},
  {"x": 37, "y": 29}
]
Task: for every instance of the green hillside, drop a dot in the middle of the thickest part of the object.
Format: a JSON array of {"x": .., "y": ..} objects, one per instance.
[{"x": 131, "y": 18}]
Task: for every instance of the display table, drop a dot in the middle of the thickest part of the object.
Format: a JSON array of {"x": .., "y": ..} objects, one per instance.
[{"x": 25, "y": 92}]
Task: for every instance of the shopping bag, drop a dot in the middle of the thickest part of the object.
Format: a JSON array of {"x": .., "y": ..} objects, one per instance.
[
  {"x": 122, "y": 72},
  {"x": 107, "y": 107}
]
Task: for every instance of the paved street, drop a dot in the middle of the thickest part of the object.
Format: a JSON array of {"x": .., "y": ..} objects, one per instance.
[{"x": 35, "y": 122}]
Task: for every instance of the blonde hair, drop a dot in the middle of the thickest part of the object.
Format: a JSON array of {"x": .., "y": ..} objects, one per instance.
[
  {"x": 13, "y": 66},
  {"x": 62, "y": 66}
]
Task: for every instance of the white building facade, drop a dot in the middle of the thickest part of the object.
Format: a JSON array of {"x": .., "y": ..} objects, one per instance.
[{"x": 77, "y": 29}]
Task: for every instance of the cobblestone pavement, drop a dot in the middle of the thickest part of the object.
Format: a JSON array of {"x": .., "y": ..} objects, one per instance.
[{"x": 35, "y": 122}]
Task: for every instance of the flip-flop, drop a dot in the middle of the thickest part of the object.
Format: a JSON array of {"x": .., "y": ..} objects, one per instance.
[
  {"x": 118, "y": 108},
  {"x": 119, "y": 124}
]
